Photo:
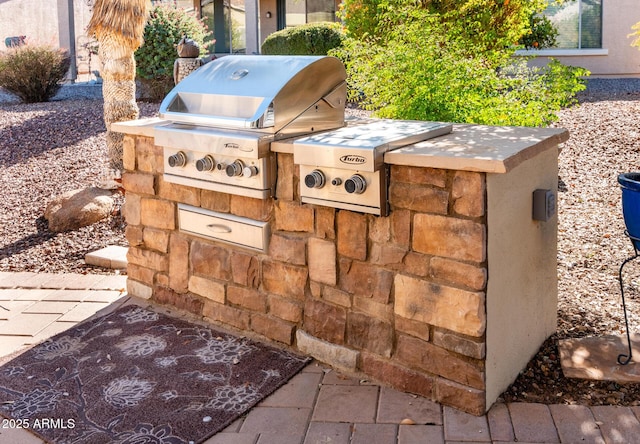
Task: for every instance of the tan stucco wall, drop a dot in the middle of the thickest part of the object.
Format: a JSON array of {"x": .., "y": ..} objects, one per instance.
[
  {"x": 37, "y": 19},
  {"x": 522, "y": 284},
  {"x": 618, "y": 18},
  {"x": 42, "y": 21},
  {"x": 268, "y": 25},
  {"x": 47, "y": 22},
  {"x": 620, "y": 58}
]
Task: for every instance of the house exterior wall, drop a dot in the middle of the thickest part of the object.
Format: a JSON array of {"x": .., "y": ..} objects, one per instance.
[
  {"x": 46, "y": 21},
  {"x": 617, "y": 58},
  {"x": 268, "y": 25},
  {"x": 43, "y": 21},
  {"x": 36, "y": 21}
]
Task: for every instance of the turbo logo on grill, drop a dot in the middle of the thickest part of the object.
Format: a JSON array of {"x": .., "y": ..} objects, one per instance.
[
  {"x": 353, "y": 159},
  {"x": 235, "y": 146}
]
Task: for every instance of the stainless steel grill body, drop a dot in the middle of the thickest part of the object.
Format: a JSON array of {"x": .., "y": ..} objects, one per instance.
[
  {"x": 345, "y": 168},
  {"x": 225, "y": 115},
  {"x": 281, "y": 95}
]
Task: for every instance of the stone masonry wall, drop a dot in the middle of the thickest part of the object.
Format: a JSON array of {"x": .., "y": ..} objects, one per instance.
[{"x": 400, "y": 298}]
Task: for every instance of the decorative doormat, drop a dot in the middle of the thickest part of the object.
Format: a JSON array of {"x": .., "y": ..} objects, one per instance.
[{"x": 137, "y": 376}]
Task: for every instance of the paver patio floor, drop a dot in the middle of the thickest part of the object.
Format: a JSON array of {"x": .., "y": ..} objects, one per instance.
[{"x": 317, "y": 406}]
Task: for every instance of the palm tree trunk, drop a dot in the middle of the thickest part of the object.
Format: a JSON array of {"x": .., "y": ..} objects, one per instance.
[
  {"x": 118, "y": 25},
  {"x": 119, "y": 93}
]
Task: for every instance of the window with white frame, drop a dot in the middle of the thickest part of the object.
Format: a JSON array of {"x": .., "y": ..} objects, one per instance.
[
  {"x": 579, "y": 23},
  {"x": 299, "y": 12}
]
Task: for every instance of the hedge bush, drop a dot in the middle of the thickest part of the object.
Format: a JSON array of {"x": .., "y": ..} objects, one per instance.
[
  {"x": 166, "y": 25},
  {"x": 484, "y": 25},
  {"x": 420, "y": 72},
  {"x": 33, "y": 72},
  {"x": 309, "y": 39}
]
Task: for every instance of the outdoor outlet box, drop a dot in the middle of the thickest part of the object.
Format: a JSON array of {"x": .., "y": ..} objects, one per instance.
[{"x": 544, "y": 205}]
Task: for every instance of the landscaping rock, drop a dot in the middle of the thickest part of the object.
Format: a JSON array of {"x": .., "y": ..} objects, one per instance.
[{"x": 78, "y": 208}]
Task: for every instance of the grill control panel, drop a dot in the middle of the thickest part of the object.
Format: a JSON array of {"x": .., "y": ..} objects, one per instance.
[
  {"x": 362, "y": 191},
  {"x": 234, "y": 175}
]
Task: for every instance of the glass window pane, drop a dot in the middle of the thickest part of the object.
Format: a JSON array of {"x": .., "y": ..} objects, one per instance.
[
  {"x": 579, "y": 23},
  {"x": 216, "y": 17},
  {"x": 321, "y": 11},
  {"x": 206, "y": 13},
  {"x": 299, "y": 12},
  {"x": 591, "y": 24},
  {"x": 566, "y": 18},
  {"x": 227, "y": 21},
  {"x": 295, "y": 13},
  {"x": 238, "y": 33}
]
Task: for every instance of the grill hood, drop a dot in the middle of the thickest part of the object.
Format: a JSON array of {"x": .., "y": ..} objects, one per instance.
[{"x": 280, "y": 95}]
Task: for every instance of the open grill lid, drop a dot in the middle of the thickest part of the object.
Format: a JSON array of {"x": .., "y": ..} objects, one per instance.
[{"x": 283, "y": 95}]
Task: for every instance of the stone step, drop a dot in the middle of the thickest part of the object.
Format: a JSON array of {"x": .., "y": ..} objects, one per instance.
[{"x": 113, "y": 257}]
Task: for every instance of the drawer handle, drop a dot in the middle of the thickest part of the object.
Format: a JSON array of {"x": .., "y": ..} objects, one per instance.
[{"x": 219, "y": 228}]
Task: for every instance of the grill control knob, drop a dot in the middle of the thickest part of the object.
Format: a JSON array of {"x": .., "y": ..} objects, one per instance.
[
  {"x": 206, "y": 163},
  {"x": 178, "y": 159},
  {"x": 315, "y": 179},
  {"x": 355, "y": 184},
  {"x": 250, "y": 171},
  {"x": 235, "y": 169}
]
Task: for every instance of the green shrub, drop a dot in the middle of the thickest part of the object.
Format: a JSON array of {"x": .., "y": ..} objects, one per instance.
[
  {"x": 33, "y": 72},
  {"x": 155, "y": 58},
  {"x": 309, "y": 39},
  {"x": 421, "y": 72},
  {"x": 483, "y": 24},
  {"x": 542, "y": 34}
]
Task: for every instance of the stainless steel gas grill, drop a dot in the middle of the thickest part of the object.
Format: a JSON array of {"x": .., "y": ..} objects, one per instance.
[
  {"x": 345, "y": 168},
  {"x": 225, "y": 115}
]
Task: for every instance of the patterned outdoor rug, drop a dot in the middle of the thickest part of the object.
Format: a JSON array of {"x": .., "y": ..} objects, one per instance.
[{"x": 137, "y": 376}]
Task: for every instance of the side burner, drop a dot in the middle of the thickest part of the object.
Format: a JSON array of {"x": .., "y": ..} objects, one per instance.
[{"x": 345, "y": 168}]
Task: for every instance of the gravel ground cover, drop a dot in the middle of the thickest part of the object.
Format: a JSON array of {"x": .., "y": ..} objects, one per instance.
[
  {"x": 50, "y": 148},
  {"x": 604, "y": 142},
  {"x": 47, "y": 149}
]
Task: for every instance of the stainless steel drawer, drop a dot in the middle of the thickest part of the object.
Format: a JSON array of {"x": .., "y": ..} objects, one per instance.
[{"x": 223, "y": 227}]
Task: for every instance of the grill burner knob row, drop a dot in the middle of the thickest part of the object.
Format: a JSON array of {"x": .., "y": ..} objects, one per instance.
[
  {"x": 250, "y": 171},
  {"x": 355, "y": 184},
  {"x": 178, "y": 159},
  {"x": 206, "y": 163},
  {"x": 315, "y": 179},
  {"x": 235, "y": 169}
]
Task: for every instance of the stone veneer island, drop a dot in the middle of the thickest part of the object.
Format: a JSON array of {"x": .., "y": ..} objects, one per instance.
[{"x": 448, "y": 297}]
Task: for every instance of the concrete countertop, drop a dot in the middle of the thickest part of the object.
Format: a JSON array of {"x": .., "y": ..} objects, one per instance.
[
  {"x": 480, "y": 148},
  {"x": 140, "y": 127},
  {"x": 490, "y": 149}
]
